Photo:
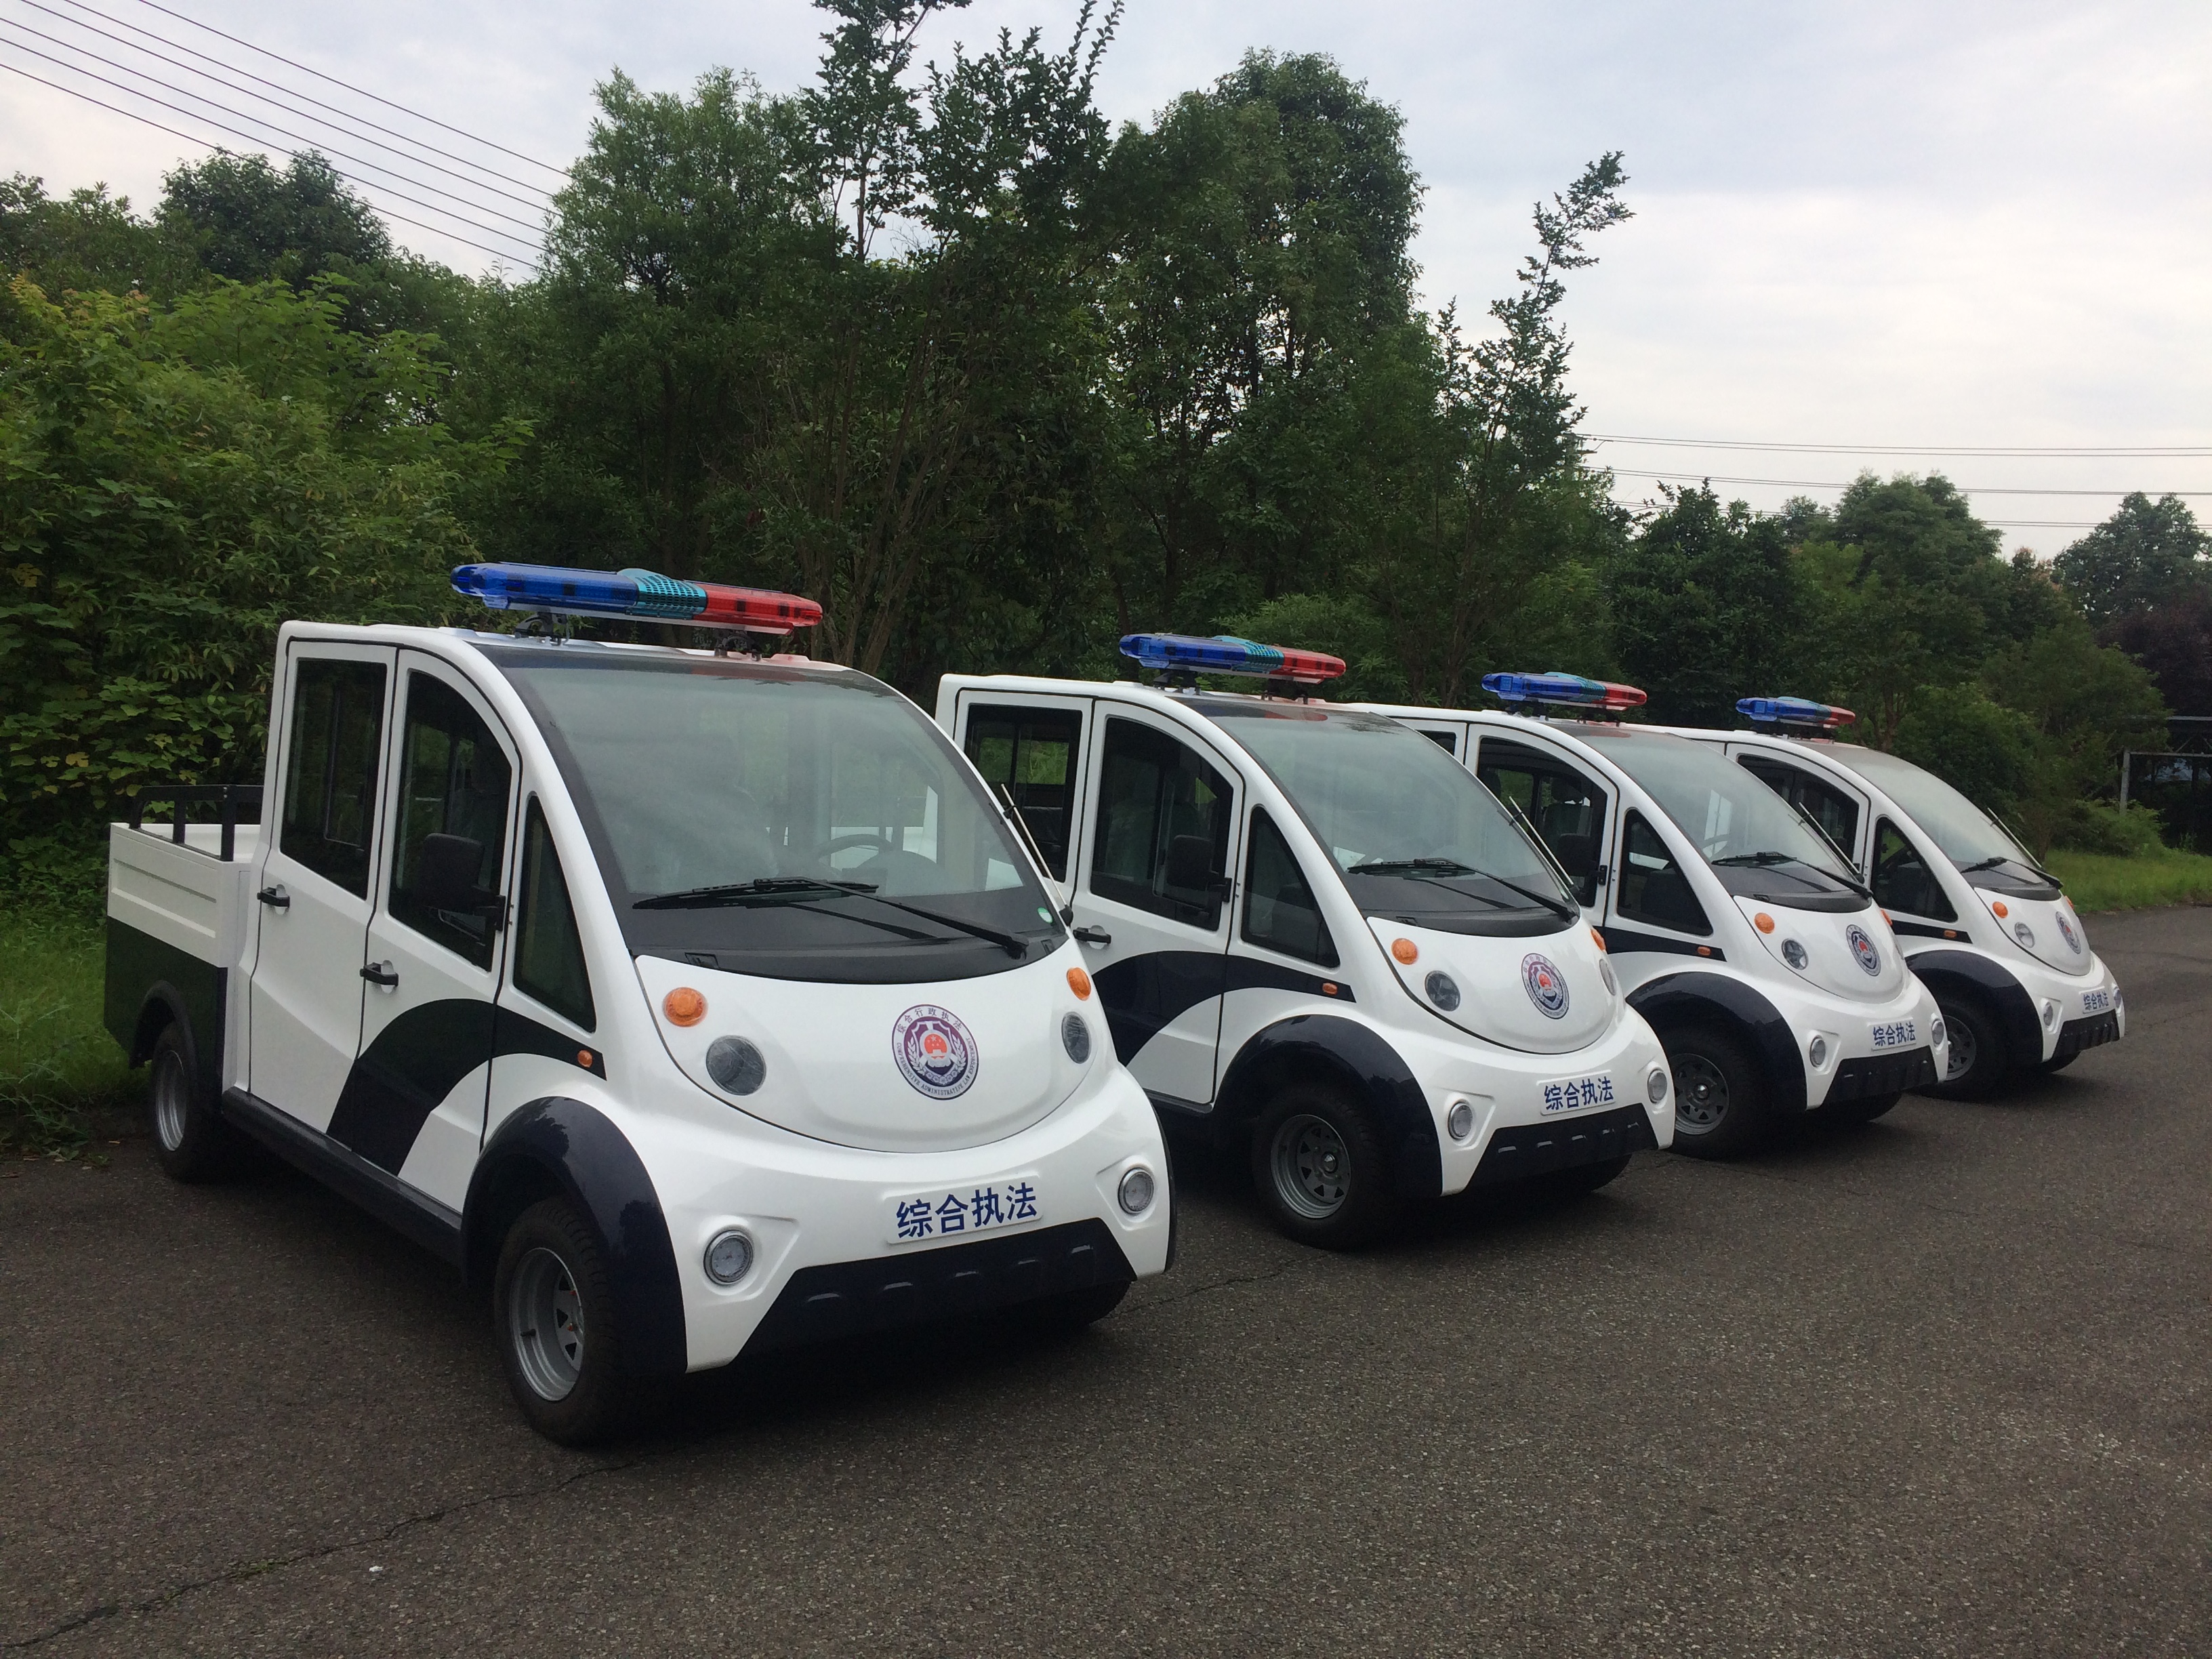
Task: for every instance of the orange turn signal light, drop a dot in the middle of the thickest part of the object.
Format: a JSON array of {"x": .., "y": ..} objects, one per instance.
[
  {"x": 1764, "y": 922},
  {"x": 1999, "y": 906},
  {"x": 1598, "y": 937},
  {"x": 684, "y": 1006},
  {"x": 1080, "y": 982},
  {"x": 1406, "y": 951}
]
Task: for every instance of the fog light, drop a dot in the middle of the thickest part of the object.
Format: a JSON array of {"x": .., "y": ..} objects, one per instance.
[
  {"x": 736, "y": 1065},
  {"x": 2050, "y": 1016},
  {"x": 1820, "y": 1052},
  {"x": 1654, "y": 1086},
  {"x": 1605, "y": 972},
  {"x": 1442, "y": 990},
  {"x": 1937, "y": 1031},
  {"x": 2025, "y": 934},
  {"x": 1075, "y": 1037},
  {"x": 729, "y": 1257},
  {"x": 1460, "y": 1119},
  {"x": 1794, "y": 954},
  {"x": 1135, "y": 1195}
]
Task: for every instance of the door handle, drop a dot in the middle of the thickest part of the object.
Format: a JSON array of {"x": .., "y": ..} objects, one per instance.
[
  {"x": 379, "y": 973},
  {"x": 275, "y": 897},
  {"x": 1093, "y": 936}
]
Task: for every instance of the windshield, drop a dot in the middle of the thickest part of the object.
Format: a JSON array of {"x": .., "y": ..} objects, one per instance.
[
  {"x": 1968, "y": 836},
  {"x": 794, "y": 822},
  {"x": 1418, "y": 839},
  {"x": 1757, "y": 843}
]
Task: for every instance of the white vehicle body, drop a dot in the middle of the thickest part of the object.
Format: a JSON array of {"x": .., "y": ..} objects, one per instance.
[
  {"x": 1217, "y": 1002},
  {"x": 444, "y": 1068},
  {"x": 2012, "y": 942},
  {"x": 1850, "y": 1024}
]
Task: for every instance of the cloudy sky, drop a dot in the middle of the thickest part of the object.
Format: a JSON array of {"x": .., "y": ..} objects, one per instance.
[{"x": 1959, "y": 226}]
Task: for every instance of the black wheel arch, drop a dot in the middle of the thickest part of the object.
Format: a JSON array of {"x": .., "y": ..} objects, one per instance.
[
  {"x": 559, "y": 1147},
  {"x": 1306, "y": 1047},
  {"x": 1674, "y": 1001},
  {"x": 1967, "y": 975}
]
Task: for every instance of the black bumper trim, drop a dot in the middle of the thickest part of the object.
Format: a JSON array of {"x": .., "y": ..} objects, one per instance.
[
  {"x": 1521, "y": 1150},
  {"x": 2093, "y": 1032},
  {"x": 842, "y": 1298},
  {"x": 1875, "y": 1075}
]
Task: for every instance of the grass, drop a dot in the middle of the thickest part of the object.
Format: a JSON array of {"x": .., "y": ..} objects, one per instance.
[
  {"x": 57, "y": 1064},
  {"x": 2105, "y": 881}
]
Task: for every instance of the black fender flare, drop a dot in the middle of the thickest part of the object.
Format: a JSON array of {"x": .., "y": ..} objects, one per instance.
[
  {"x": 1968, "y": 974},
  {"x": 1691, "y": 997},
  {"x": 1358, "y": 1056},
  {"x": 558, "y": 1145}
]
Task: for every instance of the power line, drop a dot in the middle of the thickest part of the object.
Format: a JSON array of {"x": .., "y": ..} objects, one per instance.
[
  {"x": 350, "y": 87},
  {"x": 206, "y": 75},
  {"x": 148, "y": 120},
  {"x": 1903, "y": 449},
  {"x": 1964, "y": 489}
]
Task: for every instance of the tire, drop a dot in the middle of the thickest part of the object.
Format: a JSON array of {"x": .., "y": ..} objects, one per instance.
[
  {"x": 191, "y": 1141},
  {"x": 1862, "y": 1110},
  {"x": 1720, "y": 1095},
  {"x": 1063, "y": 1317},
  {"x": 1584, "y": 1178},
  {"x": 1321, "y": 1168},
  {"x": 553, "y": 1317},
  {"x": 1981, "y": 1064}
]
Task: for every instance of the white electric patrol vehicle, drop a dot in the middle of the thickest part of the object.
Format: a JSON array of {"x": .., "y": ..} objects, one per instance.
[
  {"x": 1981, "y": 923},
  {"x": 1315, "y": 936},
  {"x": 1767, "y": 969},
  {"x": 694, "y": 1004}
]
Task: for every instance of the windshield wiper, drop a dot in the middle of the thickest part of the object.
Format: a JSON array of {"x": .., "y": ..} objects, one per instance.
[
  {"x": 1013, "y": 944},
  {"x": 1429, "y": 869},
  {"x": 1761, "y": 860},
  {"x": 744, "y": 892},
  {"x": 1829, "y": 841}
]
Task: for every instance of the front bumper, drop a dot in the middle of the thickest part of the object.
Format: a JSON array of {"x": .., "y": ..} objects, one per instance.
[
  {"x": 1872, "y": 1076},
  {"x": 1518, "y": 1151},
  {"x": 2093, "y": 1032}
]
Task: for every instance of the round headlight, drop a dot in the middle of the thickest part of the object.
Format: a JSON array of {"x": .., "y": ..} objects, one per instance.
[
  {"x": 1075, "y": 1037},
  {"x": 1135, "y": 1195},
  {"x": 1794, "y": 954},
  {"x": 2025, "y": 934},
  {"x": 1818, "y": 1051},
  {"x": 1605, "y": 972},
  {"x": 1936, "y": 1030},
  {"x": 1654, "y": 1086},
  {"x": 1443, "y": 991},
  {"x": 729, "y": 1256},
  {"x": 736, "y": 1065},
  {"x": 1460, "y": 1119}
]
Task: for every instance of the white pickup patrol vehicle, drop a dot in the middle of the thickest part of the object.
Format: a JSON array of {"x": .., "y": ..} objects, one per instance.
[
  {"x": 1981, "y": 923},
  {"x": 692, "y": 1003},
  {"x": 1312, "y": 934},
  {"x": 1767, "y": 971}
]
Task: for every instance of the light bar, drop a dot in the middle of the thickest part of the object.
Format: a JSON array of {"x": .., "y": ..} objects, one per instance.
[
  {"x": 1224, "y": 653},
  {"x": 634, "y": 594},
  {"x": 1567, "y": 691},
  {"x": 1793, "y": 711}
]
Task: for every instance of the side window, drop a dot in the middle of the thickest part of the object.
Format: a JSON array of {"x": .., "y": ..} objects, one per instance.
[
  {"x": 1835, "y": 812},
  {"x": 1280, "y": 911},
  {"x": 1902, "y": 879},
  {"x": 1032, "y": 751},
  {"x": 452, "y": 782},
  {"x": 1653, "y": 888},
  {"x": 1567, "y": 808},
  {"x": 1445, "y": 739},
  {"x": 329, "y": 768},
  {"x": 1155, "y": 792},
  {"x": 549, "y": 953}
]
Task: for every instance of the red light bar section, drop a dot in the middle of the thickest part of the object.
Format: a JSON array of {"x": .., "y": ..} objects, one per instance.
[
  {"x": 1308, "y": 667},
  {"x": 1620, "y": 697},
  {"x": 757, "y": 609}
]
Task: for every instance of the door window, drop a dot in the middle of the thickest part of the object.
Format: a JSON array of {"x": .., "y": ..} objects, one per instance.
[
  {"x": 548, "y": 952},
  {"x": 454, "y": 781},
  {"x": 1836, "y": 813},
  {"x": 1280, "y": 911},
  {"x": 329, "y": 768},
  {"x": 1902, "y": 879},
  {"x": 1155, "y": 792},
  {"x": 1032, "y": 753},
  {"x": 1653, "y": 888},
  {"x": 1566, "y": 807}
]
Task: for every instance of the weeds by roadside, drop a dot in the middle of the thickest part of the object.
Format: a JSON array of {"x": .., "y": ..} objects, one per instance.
[
  {"x": 2103, "y": 881},
  {"x": 59, "y": 1069}
]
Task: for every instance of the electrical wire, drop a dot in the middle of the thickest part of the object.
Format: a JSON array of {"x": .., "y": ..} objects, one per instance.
[
  {"x": 2140, "y": 453},
  {"x": 1964, "y": 489}
]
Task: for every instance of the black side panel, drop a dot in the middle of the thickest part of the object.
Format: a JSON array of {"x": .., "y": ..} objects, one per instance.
[
  {"x": 1695, "y": 999},
  {"x": 1624, "y": 939},
  {"x": 1321, "y": 1045},
  {"x": 591, "y": 1161},
  {"x": 142, "y": 968},
  {"x": 421, "y": 1218},
  {"x": 1141, "y": 993},
  {"x": 1952, "y": 975},
  {"x": 399, "y": 1079},
  {"x": 1251, "y": 973}
]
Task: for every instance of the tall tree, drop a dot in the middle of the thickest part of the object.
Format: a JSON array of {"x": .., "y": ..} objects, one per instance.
[{"x": 2147, "y": 551}]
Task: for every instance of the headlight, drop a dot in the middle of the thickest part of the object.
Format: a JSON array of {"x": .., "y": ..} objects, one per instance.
[
  {"x": 1818, "y": 1051},
  {"x": 729, "y": 1256},
  {"x": 1460, "y": 1119},
  {"x": 736, "y": 1065},
  {"x": 1135, "y": 1193},
  {"x": 2025, "y": 934},
  {"x": 1654, "y": 1086},
  {"x": 1794, "y": 954},
  {"x": 1443, "y": 991},
  {"x": 1075, "y": 1037}
]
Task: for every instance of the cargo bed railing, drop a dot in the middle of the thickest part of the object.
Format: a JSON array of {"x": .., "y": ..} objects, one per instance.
[{"x": 229, "y": 796}]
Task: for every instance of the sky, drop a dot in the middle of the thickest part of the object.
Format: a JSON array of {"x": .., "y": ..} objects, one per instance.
[{"x": 1958, "y": 227}]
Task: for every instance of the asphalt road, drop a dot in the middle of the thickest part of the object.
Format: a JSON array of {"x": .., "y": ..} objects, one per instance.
[{"x": 1934, "y": 1386}]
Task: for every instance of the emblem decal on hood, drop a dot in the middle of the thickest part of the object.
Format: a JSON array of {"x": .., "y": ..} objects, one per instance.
[
  {"x": 2066, "y": 931},
  {"x": 1863, "y": 948},
  {"x": 1546, "y": 985},
  {"x": 934, "y": 1051}
]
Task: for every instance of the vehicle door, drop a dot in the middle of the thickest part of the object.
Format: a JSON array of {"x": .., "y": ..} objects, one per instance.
[
  {"x": 1570, "y": 809},
  {"x": 415, "y": 1103},
  {"x": 1033, "y": 749},
  {"x": 1153, "y": 903},
  {"x": 1840, "y": 811},
  {"x": 318, "y": 856},
  {"x": 1902, "y": 874}
]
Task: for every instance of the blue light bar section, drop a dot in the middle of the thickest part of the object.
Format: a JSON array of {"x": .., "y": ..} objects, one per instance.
[
  {"x": 1792, "y": 711},
  {"x": 550, "y": 588},
  {"x": 1222, "y": 654}
]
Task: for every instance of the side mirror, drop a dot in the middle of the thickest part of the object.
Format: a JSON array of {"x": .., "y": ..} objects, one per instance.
[
  {"x": 445, "y": 876},
  {"x": 1190, "y": 864}
]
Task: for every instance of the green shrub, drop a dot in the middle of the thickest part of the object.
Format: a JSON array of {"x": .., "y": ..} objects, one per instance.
[{"x": 2092, "y": 826}]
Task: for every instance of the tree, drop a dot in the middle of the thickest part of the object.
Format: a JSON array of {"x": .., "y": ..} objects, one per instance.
[
  {"x": 2173, "y": 641},
  {"x": 2086, "y": 703},
  {"x": 246, "y": 220},
  {"x": 2146, "y": 552}
]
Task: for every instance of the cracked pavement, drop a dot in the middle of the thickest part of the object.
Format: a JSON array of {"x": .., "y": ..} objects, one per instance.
[{"x": 1936, "y": 1386}]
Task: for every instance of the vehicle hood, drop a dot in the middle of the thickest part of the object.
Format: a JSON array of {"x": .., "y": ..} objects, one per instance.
[
  {"x": 1851, "y": 954},
  {"x": 2047, "y": 929},
  {"x": 1544, "y": 995}
]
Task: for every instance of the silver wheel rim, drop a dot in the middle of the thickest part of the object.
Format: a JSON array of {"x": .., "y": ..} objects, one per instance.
[
  {"x": 1313, "y": 1170},
  {"x": 173, "y": 1099},
  {"x": 546, "y": 1323},
  {"x": 1959, "y": 1059},
  {"x": 1701, "y": 1094}
]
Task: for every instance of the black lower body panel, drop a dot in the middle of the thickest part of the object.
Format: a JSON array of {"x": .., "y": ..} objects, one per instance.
[
  {"x": 1522, "y": 1150},
  {"x": 841, "y": 1299},
  {"x": 2095, "y": 1032},
  {"x": 1876, "y": 1075}
]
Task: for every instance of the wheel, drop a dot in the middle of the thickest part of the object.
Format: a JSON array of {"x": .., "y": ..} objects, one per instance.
[
  {"x": 1071, "y": 1313},
  {"x": 1979, "y": 1061},
  {"x": 1864, "y": 1109},
  {"x": 193, "y": 1143},
  {"x": 553, "y": 1312},
  {"x": 1584, "y": 1178},
  {"x": 2058, "y": 1062},
  {"x": 1321, "y": 1170},
  {"x": 1719, "y": 1098}
]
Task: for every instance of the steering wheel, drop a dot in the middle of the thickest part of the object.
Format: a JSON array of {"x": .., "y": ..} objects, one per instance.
[{"x": 837, "y": 844}]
